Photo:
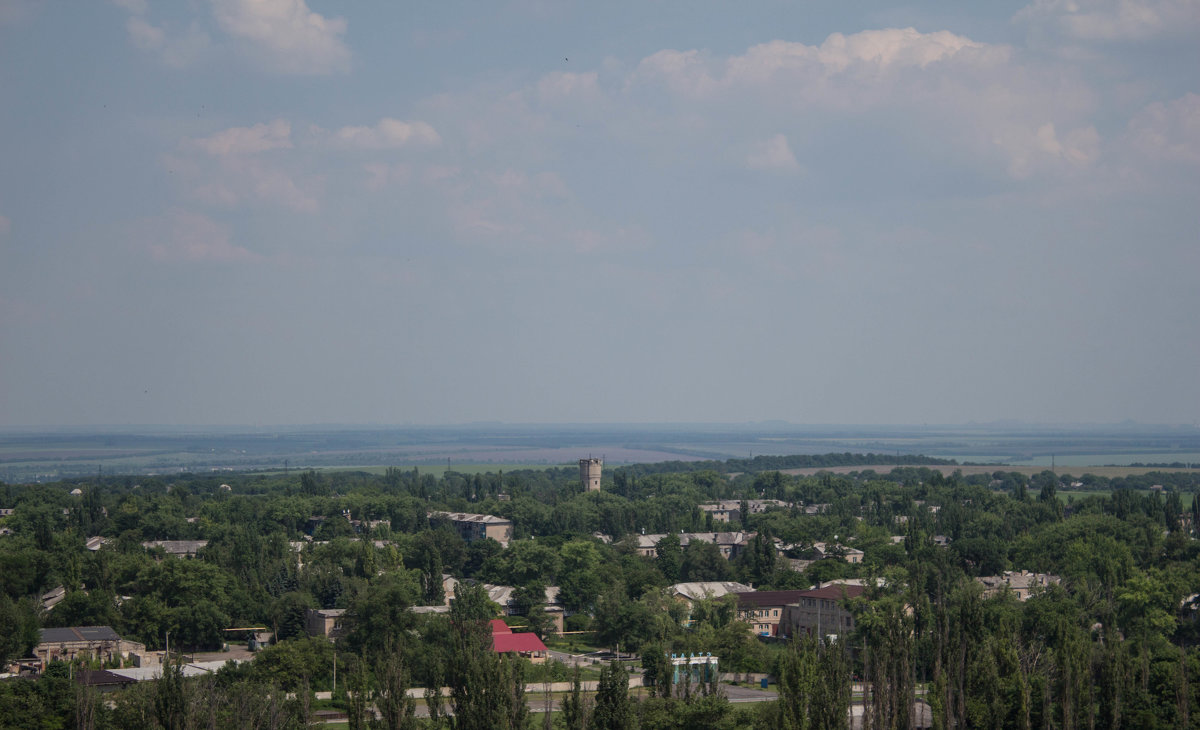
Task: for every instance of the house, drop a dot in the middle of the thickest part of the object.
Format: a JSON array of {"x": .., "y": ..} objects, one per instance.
[
  {"x": 730, "y": 510},
  {"x": 325, "y": 622},
  {"x": 178, "y": 548},
  {"x": 820, "y": 612},
  {"x": 505, "y": 597},
  {"x": 826, "y": 550},
  {"x": 698, "y": 591},
  {"x": 95, "y": 543},
  {"x": 1023, "y": 584},
  {"x": 472, "y": 527},
  {"x": 98, "y": 642},
  {"x": 729, "y": 544},
  {"x": 764, "y": 609},
  {"x": 53, "y": 597},
  {"x": 526, "y": 645}
]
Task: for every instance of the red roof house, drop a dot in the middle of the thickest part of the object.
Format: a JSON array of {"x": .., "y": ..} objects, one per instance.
[{"x": 526, "y": 645}]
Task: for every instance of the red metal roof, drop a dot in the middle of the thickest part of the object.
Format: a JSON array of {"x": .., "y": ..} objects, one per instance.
[
  {"x": 499, "y": 627},
  {"x": 517, "y": 642}
]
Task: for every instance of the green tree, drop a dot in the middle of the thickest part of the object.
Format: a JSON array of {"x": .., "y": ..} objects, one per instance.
[{"x": 614, "y": 710}]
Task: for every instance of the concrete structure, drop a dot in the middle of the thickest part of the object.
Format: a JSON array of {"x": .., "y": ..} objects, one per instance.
[
  {"x": 698, "y": 591},
  {"x": 820, "y": 612},
  {"x": 181, "y": 548},
  {"x": 325, "y": 622},
  {"x": 832, "y": 550},
  {"x": 472, "y": 527},
  {"x": 764, "y": 609},
  {"x": 98, "y": 642},
  {"x": 787, "y": 613},
  {"x": 729, "y": 544},
  {"x": 1023, "y": 584},
  {"x": 589, "y": 473},
  {"x": 730, "y": 510}
]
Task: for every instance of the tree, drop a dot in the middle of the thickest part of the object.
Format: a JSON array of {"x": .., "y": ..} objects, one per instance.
[
  {"x": 670, "y": 557},
  {"x": 390, "y": 695},
  {"x": 613, "y": 710},
  {"x": 703, "y": 561},
  {"x": 485, "y": 688},
  {"x": 575, "y": 707}
]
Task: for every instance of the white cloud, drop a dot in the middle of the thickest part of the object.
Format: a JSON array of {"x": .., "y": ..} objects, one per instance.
[
  {"x": 1113, "y": 20},
  {"x": 175, "y": 50},
  {"x": 182, "y": 236},
  {"x": 286, "y": 35},
  {"x": 1169, "y": 132},
  {"x": 856, "y": 57},
  {"x": 232, "y": 168},
  {"x": 238, "y": 141},
  {"x": 1041, "y": 149},
  {"x": 772, "y": 154},
  {"x": 387, "y": 134}
]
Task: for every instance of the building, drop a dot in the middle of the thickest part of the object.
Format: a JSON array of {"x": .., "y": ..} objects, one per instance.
[
  {"x": 730, "y": 510},
  {"x": 526, "y": 645},
  {"x": 820, "y": 612},
  {"x": 325, "y": 622},
  {"x": 699, "y": 590},
  {"x": 826, "y": 550},
  {"x": 1023, "y": 584},
  {"x": 787, "y": 613},
  {"x": 180, "y": 548},
  {"x": 589, "y": 473},
  {"x": 764, "y": 609},
  {"x": 729, "y": 544},
  {"x": 97, "y": 642},
  {"x": 472, "y": 527}
]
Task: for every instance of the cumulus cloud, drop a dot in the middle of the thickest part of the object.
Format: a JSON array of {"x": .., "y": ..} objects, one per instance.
[
  {"x": 183, "y": 236},
  {"x": 772, "y": 154},
  {"x": 286, "y": 35},
  {"x": 387, "y": 134},
  {"x": 867, "y": 54},
  {"x": 237, "y": 141},
  {"x": 234, "y": 167},
  {"x": 175, "y": 48},
  {"x": 1169, "y": 131},
  {"x": 1113, "y": 20}
]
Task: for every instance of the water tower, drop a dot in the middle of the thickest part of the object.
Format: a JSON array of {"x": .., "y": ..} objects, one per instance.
[{"x": 589, "y": 473}]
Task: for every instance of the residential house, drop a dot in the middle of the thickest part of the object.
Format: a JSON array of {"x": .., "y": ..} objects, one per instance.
[
  {"x": 472, "y": 527},
  {"x": 178, "y": 548},
  {"x": 729, "y": 544},
  {"x": 325, "y": 622},
  {"x": 827, "y": 550},
  {"x": 526, "y": 645},
  {"x": 1023, "y": 584},
  {"x": 730, "y": 510}
]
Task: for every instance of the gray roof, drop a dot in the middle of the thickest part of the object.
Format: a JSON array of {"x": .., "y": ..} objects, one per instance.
[{"x": 78, "y": 633}]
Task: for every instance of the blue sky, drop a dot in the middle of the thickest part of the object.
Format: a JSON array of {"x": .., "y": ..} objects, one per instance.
[{"x": 290, "y": 212}]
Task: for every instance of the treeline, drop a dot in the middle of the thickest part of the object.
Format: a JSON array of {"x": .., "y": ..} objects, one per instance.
[
  {"x": 772, "y": 463},
  {"x": 1113, "y": 643}
]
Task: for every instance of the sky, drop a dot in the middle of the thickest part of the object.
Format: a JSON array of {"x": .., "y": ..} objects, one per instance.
[{"x": 305, "y": 212}]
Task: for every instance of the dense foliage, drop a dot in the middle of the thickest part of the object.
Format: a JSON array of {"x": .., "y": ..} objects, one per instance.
[{"x": 1114, "y": 644}]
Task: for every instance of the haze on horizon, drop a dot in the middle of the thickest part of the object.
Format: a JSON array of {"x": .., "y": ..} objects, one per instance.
[{"x": 291, "y": 212}]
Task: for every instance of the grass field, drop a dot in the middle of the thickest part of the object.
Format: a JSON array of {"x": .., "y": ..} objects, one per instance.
[{"x": 1078, "y": 471}]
